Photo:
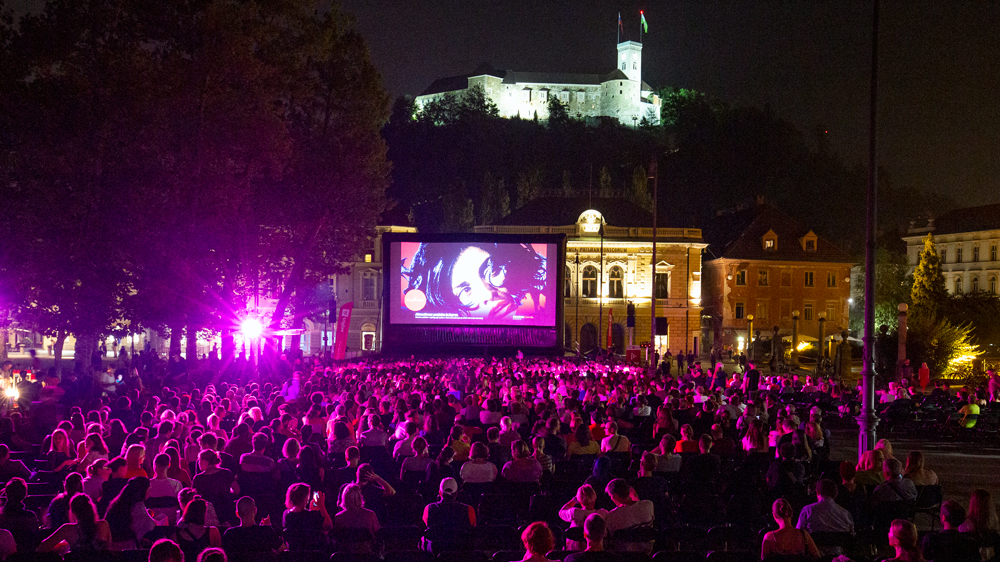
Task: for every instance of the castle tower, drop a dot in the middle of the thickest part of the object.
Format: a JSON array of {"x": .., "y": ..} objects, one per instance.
[{"x": 630, "y": 59}]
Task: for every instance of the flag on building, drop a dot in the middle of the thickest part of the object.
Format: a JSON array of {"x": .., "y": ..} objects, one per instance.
[
  {"x": 621, "y": 28},
  {"x": 645, "y": 27}
]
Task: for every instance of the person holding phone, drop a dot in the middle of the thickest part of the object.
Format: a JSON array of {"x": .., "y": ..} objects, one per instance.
[{"x": 306, "y": 520}]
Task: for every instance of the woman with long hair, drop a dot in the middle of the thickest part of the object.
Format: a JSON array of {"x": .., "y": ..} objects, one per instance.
[
  {"x": 755, "y": 441},
  {"x": 915, "y": 470},
  {"x": 981, "y": 519},
  {"x": 116, "y": 437},
  {"x": 134, "y": 457},
  {"x": 419, "y": 461},
  {"x": 803, "y": 453},
  {"x": 193, "y": 536},
  {"x": 84, "y": 531},
  {"x": 92, "y": 448},
  {"x": 128, "y": 517},
  {"x": 59, "y": 457},
  {"x": 341, "y": 439},
  {"x": 665, "y": 422},
  {"x": 441, "y": 468},
  {"x": 58, "y": 512},
  {"x": 786, "y": 540},
  {"x": 309, "y": 469},
  {"x": 177, "y": 470},
  {"x": 584, "y": 444}
]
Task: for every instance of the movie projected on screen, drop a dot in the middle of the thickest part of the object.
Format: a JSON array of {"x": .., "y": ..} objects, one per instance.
[{"x": 473, "y": 283}]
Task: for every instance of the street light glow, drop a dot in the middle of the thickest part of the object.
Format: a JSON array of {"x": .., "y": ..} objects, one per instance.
[
  {"x": 11, "y": 392},
  {"x": 251, "y": 328}
]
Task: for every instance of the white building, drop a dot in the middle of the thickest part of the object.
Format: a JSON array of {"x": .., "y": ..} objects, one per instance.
[
  {"x": 967, "y": 241},
  {"x": 620, "y": 94}
]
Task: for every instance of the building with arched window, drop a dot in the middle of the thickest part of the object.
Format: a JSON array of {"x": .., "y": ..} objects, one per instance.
[{"x": 604, "y": 278}]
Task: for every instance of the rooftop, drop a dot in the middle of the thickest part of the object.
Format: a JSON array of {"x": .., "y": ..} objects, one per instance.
[
  {"x": 739, "y": 235},
  {"x": 969, "y": 219}
]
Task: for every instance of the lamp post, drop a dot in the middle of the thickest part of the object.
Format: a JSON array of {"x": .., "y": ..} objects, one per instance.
[
  {"x": 600, "y": 294},
  {"x": 652, "y": 292},
  {"x": 822, "y": 342},
  {"x": 867, "y": 420},
  {"x": 576, "y": 321},
  {"x": 749, "y": 336},
  {"x": 901, "y": 332},
  {"x": 795, "y": 339}
]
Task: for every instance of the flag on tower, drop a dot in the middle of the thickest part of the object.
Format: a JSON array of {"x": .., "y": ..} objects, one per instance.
[
  {"x": 621, "y": 28},
  {"x": 645, "y": 27}
]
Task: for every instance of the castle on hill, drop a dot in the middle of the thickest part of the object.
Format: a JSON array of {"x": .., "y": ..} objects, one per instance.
[{"x": 620, "y": 94}]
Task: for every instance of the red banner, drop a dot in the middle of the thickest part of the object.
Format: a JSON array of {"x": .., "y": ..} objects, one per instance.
[
  {"x": 611, "y": 321},
  {"x": 343, "y": 325}
]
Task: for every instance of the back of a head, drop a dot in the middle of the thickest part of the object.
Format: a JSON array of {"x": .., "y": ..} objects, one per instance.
[
  {"x": 595, "y": 528},
  {"x": 781, "y": 508},
  {"x": 705, "y": 443},
  {"x": 892, "y": 467},
  {"x": 16, "y": 489},
  {"x": 246, "y": 506},
  {"x": 165, "y": 550},
  {"x": 952, "y": 513},
  {"x": 905, "y": 534},
  {"x": 827, "y": 488},
  {"x": 786, "y": 451},
  {"x": 618, "y": 487}
]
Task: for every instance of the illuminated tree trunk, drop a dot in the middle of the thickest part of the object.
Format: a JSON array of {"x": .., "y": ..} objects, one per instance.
[
  {"x": 57, "y": 351},
  {"x": 175, "y": 340}
]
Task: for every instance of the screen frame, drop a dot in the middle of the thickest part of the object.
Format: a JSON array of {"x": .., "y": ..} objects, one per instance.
[{"x": 388, "y": 270}]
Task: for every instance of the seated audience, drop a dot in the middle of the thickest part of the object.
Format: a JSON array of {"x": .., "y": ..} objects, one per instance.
[
  {"x": 950, "y": 543},
  {"x": 248, "y": 536}
]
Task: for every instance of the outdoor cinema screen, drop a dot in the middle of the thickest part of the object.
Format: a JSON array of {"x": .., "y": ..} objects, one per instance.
[{"x": 473, "y": 283}]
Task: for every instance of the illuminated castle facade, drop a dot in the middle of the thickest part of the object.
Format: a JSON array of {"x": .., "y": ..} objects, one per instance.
[{"x": 620, "y": 94}]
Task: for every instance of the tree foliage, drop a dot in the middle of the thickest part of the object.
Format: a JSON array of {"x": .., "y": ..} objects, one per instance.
[
  {"x": 892, "y": 287},
  {"x": 928, "y": 294},
  {"x": 173, "y": 158},
  {"x": 494, "y": 201}
]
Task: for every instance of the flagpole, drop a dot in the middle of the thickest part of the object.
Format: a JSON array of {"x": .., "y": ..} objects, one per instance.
[{"x": 619, "y": 29}]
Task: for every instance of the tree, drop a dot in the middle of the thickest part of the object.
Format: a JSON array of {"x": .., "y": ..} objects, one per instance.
[
  {"x": 638, "y": 190},
  {"x": 947, "y": 348},
  {"x": 892, "y": 287},
  {"x": 979, "y": 310},
  {"x": 567, "y": 183},
  {"x": 604, "y": 181},
  {"x": 458, "y": 210},
  {"x": 558, "y": 117},
  {"x": 529, "y": 184},
  {"x": 475, "y": 104},
  {"x": 494, "y": 200},
  {"x": 928, "y": 294}
]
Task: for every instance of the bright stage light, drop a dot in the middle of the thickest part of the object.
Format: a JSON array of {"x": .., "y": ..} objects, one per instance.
[
  {"x": 251, "y": 328},
  {"x": 11, "y": 393}
]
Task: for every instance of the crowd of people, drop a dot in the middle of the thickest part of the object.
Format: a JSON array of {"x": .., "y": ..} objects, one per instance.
[{"x": 578, "y": 460}]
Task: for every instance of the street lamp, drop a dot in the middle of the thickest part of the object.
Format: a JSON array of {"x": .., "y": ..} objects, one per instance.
[
  {"x": 822, "y": 342},
  {"x": 795, "y": 339}
]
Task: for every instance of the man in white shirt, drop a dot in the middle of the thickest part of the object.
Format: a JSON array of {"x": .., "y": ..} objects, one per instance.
[
  {"x": 825, "y": 516},
  {"x": 629, "y": 512},
  {"x": 615, "y": 443}
]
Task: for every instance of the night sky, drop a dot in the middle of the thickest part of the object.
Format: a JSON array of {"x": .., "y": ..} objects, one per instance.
[{"x": 808, "y": 60}]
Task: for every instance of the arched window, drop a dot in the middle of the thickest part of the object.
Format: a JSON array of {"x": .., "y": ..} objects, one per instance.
[
  {"x": 958, "y": 285},
  {"x": 975, "y": 284},
  {"x": 616, "y": 283},
  {"x": 618, "y": 338},
  {"x": 568, "y": 284},
  {"x": 590, "y": 282},
  {"x": 588, "y": 337},
  {"x": 993, "y": 285}
]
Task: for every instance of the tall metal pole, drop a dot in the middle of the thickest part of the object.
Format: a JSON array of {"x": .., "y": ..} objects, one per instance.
[
  {"x": 652, "y": 292},
  {"x": 576, "y": 323},
  {"x": 867, "y": 420},
  {"x": 600, "y": 295}
]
